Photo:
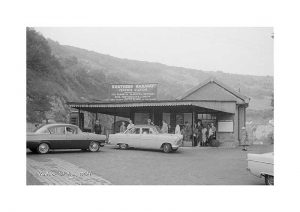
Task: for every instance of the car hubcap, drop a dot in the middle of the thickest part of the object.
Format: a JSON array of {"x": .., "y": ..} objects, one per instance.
[
  {"x": 93, "y": 146},
  {"x": 166, "y": 148},
  {"x": 43, "y": 148}
]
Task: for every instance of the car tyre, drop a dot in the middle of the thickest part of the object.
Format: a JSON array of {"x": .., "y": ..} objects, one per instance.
[
  {"x": 43, "y": 148},
  {"x": 269, "y": 180},
  {"x": 167, "y": 148},
  {"x": 94, "y": 146},
  {"x": 123, "y": 146}
]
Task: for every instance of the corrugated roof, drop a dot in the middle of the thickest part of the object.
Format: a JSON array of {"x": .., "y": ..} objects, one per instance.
[
  {"x": 225, "y": 106},
  {"x": 135, "y": 103},
  {"x": 129, "y": 104}
]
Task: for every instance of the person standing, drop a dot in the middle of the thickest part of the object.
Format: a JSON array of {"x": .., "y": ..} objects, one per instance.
[
  {"x": 244, "y": 138},
  {"x": 122, "y": 127},
  {"x": 130, "y": 125},
  {"x": 204, "y": 136},
  {"x": 97, "y": 129},
  {"x": 149, "y": 122},
  {"x": 213, "y": 130},
  {"x": 208, "y": 132},
  {"x": 177, "y": 129},
  {"x": 164, "y": 128},
  {"x": 198, "y": 133},
  {"x": 188, "y": 131}
]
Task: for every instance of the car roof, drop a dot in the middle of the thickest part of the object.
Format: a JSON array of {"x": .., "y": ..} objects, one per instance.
[
  {"x": 59, "y": 124},
  {"x": 56, "y": 125}
]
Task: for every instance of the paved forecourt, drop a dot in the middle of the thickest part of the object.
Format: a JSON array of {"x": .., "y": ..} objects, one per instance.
[{"x": 187, "y": 166}]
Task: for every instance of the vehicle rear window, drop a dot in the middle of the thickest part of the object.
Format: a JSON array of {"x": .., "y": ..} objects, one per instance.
[
  {"x": 71, "y": 130},
  {"x": 57, "y": 130}
]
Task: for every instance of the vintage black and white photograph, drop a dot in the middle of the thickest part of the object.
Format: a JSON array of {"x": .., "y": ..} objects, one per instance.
[
  {"x": 149, "y": 106},
  {"x": 173, "y": 106}
]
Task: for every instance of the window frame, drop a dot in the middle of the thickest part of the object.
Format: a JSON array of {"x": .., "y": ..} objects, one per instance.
[{"x": 56, "y": 130}]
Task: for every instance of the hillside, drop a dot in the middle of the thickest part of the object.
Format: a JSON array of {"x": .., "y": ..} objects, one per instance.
[{"x": 65, "y": 73}]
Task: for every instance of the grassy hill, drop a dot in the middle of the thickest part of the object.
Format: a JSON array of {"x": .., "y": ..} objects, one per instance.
[{"x": 65, "y": 73}]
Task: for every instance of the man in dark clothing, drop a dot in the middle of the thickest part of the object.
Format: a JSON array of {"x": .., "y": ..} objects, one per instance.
[{"x": 97, "y": 127}]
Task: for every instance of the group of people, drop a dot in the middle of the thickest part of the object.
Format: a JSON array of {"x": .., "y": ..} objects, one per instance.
[
  {"x": 123, "y": 127},
  {"x": 204, "y": 135},
  {"x": 201, "y": 135},
  {"x": 163, "y": 129}
]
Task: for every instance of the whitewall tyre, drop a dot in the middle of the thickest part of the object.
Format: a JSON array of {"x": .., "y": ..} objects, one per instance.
[
  {"x": 94, "y": 146},
  {"x": 43, "y": 148}
]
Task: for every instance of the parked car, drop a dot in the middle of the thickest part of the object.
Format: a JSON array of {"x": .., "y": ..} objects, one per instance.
[
  {"x": 262, "y": 165},
  {"x": 148, "y": 137},
  {"x": 63, "y": 136}
]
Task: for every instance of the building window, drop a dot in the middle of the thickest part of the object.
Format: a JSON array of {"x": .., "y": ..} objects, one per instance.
[
  {"x": 73, "y": 121},
  {"x": 206, "y": 116}
]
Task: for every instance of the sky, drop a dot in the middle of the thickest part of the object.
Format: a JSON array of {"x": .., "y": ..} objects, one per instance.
[{"x": 239, "y": 50}]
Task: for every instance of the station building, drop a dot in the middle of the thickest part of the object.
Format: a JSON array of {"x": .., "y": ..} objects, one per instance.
[{"x": 209, "y": 102}]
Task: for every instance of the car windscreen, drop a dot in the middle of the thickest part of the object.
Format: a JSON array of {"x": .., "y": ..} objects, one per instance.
[{"x": 38, "y": 129}]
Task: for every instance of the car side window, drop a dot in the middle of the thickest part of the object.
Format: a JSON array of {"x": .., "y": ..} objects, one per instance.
[
  {"x": 145, "y": 131},
  {"x": 136, "y": 131},
  {"x": 57, "y": 130},
  {"x": 71, "y": 130}
]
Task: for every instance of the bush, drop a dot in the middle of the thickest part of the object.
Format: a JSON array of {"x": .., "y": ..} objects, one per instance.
[{"x": 215, "y": 143}]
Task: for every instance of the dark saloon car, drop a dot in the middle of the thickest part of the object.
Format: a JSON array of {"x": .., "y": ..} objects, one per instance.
[{"x": 63, "y": 136}]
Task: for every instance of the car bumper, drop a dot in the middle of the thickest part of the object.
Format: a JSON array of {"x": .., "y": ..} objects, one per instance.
[{"x": 175, "y": 146}]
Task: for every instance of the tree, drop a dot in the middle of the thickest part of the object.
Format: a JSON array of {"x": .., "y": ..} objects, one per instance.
[{"x": 39, "y": 62}]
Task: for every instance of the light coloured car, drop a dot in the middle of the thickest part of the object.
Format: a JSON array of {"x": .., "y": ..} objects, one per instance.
[
  {"x": 262, "y": 165},
  {"x": 147, "y": 137},
  {"x": 63, "y": 136}
]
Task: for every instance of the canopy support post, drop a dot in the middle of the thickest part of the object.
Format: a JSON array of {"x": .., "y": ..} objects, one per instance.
[{"x": 193, "y": 117}]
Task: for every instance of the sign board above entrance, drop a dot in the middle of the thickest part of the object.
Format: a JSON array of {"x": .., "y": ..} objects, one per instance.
[{"x": 133, "y": 92}]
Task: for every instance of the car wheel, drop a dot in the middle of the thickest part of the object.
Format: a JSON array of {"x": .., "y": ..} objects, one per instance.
[
  {"x": 269, "y": 180},
  {"x": 167, "y": 148},
  {"x": 43, "y": 148},
  {"x": 94, "y": 146},
  {"x": 123, "y": 146}
]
